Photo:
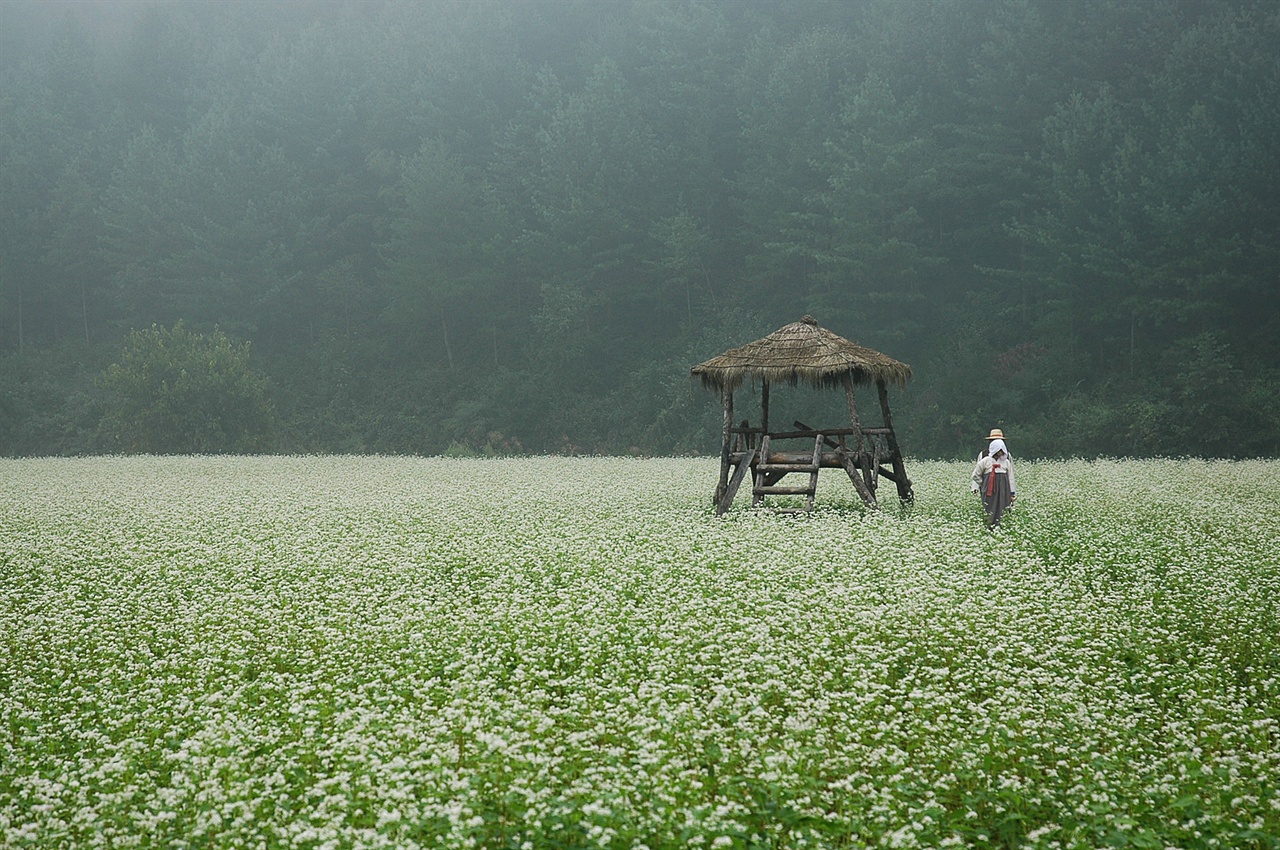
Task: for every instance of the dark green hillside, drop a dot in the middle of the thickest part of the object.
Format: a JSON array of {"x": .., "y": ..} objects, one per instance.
[{"x": 511, "y": 226}]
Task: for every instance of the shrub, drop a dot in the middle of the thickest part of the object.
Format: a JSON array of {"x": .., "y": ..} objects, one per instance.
[{"x": 175, "y": 391}]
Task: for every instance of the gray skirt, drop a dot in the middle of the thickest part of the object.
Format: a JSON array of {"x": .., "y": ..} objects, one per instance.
[{"x": 998, "y": 501}]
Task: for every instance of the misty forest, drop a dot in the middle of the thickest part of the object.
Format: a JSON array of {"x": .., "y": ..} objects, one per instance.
[{"x": 491, "y": 226}]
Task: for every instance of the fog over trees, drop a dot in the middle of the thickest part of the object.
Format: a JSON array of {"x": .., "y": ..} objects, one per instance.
[{"x": 513, "y": 226}]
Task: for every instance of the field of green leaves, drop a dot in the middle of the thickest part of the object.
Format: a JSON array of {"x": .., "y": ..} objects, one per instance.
[{"x": 375, "y": 652}]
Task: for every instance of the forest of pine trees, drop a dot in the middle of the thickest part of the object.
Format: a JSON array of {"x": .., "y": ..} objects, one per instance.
[{"x": 498, "y": 226}]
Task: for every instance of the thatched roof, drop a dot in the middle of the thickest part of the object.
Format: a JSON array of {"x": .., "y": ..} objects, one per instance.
[{"x": 801, "y": 351}]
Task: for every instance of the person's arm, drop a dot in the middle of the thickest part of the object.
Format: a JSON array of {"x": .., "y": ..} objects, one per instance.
[
  {"x": 1013, "y": 483},
  {"x": 975, "y": 480}
]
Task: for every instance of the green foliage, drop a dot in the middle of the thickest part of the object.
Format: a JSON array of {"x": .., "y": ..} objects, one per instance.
[
  {"x": 50, "y": 403},
  {"x": 174, "y": 391},
  {"x": 438, "y": 221},
  {"x": 550, "y": 652}
]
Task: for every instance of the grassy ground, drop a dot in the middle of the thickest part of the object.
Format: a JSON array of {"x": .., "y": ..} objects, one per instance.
[{"x": 396, "y": 652}]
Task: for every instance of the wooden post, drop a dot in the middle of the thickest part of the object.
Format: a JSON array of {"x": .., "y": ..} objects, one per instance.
[
  {"x": 852, "y": 405},
  {"x": 852, "y": 464},
  {"x": 859, "y": 445},
  {"x": 728, "y": 440},
  {"x": 905, "y": 492},
  {"x": 764, "y": 406},
  {"x": 726, "y": 500},
  {"x": 855, "y": 475}
]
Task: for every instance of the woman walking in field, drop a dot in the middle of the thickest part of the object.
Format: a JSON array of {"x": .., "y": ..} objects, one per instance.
[{"x": 993, "y": 479}]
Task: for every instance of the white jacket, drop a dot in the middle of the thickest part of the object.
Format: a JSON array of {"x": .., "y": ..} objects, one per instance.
[{"x": 1004, "y": 466}]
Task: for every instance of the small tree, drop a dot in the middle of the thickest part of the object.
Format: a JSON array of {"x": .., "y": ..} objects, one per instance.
[{"x": 176, "y": 392}]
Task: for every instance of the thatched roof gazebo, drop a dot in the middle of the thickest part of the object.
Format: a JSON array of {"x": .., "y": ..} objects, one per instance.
[{"x": 805, "y": 352}]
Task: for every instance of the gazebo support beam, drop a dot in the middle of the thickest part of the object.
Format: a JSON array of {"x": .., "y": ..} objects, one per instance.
[
  {"x": 764, "y": 406},
  {"x": 727, "y": 396},
  {"x": 851, "y": 403},
  {"x": 905, "y": 493},
  {"x": 855, "y": 474},
  {"x": 725, "y": 501}
]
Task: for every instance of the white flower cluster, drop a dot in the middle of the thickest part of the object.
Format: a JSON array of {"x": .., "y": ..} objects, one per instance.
[{"x": 375, "y": 652}]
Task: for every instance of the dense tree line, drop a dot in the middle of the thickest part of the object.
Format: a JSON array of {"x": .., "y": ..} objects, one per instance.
[{"x": 501, "y": 226}]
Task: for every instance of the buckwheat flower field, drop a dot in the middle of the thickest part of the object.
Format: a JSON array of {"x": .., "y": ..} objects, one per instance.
[{"x": 374, "y": 652}]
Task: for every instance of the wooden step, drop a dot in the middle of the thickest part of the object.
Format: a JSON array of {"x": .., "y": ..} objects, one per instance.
[
  {"x": 786, "y": 467},
  {"x": 783, "y": 491}
]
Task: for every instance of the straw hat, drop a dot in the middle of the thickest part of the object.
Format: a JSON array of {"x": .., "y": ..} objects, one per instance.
[{"x": 996, "y": 434}]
